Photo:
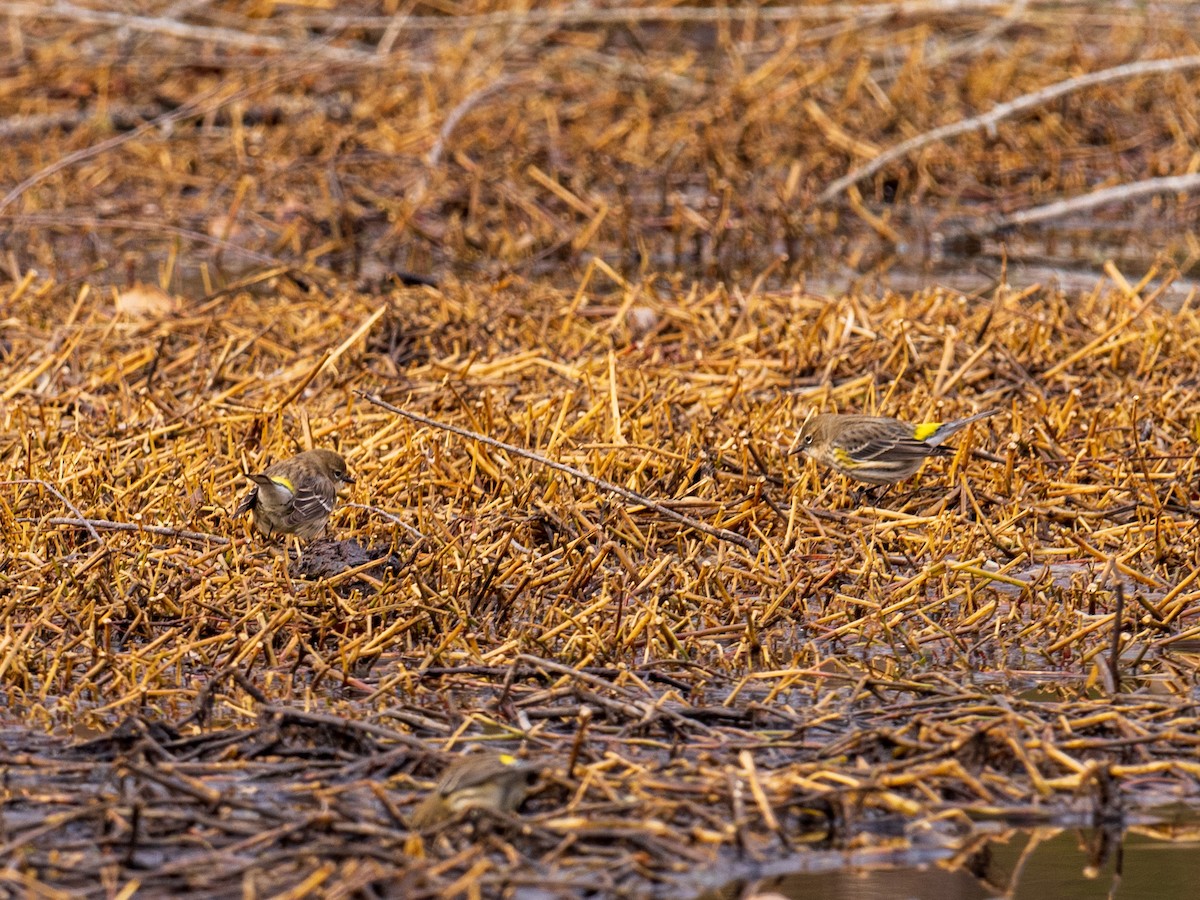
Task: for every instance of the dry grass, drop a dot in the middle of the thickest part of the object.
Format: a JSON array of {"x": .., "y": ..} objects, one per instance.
[
  {"x": 892, "y": 637},
  {"x": 944, "y": 657}
]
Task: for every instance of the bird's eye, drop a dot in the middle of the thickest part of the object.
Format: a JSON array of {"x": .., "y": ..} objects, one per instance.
[{"x": 808, "y": 439}]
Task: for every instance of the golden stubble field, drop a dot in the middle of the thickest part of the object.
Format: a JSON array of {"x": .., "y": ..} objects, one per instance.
[{"x": 622, "y": 217}]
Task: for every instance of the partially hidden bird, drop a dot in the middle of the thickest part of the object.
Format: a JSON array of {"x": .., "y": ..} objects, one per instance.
[
  {"x": 877, "y": 449},
  {"x": 498, "y": 782},
  {"x": 295, "y": 496}
]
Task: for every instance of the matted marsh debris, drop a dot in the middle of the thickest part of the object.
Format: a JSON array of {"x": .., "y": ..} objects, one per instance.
[
  {"x": 654, "y": 794},
  {"x": 604, "y": 199},
  {"x": 846, "y": 675},
  {"x": 226, "y": 146},
  {"x": 346, "y": 563}
]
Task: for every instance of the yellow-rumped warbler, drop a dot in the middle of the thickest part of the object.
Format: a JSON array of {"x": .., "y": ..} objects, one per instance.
[
  {"x": 496, "y": 782},
  {"x": 296, "y": 495},
  {"x": 876, "y": 449}
]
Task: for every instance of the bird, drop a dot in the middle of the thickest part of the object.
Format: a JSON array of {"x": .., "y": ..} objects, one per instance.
[
  {"x": 295, "y": 496},
  {"x": 876, "y": 449},
  {"x": 495, "y": 782}
]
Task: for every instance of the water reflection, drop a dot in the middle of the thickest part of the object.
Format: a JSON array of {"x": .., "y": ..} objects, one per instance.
[{"x": 1156, "y": 862}]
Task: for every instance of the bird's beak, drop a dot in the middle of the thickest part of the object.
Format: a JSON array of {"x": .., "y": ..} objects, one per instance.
[{"x": 347, "y": 479}]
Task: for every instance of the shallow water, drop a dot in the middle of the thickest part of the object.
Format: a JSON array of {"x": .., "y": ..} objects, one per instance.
[{"x": 1159, "y": 863}]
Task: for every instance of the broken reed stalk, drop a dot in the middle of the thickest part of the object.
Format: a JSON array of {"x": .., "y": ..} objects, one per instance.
[
  {"x": 1114, "y": 662},
  {"x": 106, "y": 525},
  {"x": 85, "y": 523},
  {"x": 722, "y": 534}
]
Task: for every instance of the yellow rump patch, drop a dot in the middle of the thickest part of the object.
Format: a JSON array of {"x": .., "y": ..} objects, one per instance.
[
  {"x": 926, "y": 430},
  {"x": 507, "y": 760},
  {"x": 284, "y": 481}
]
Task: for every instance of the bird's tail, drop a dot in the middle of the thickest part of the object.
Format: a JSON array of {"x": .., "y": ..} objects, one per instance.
[{"x": 946, "y": 429}]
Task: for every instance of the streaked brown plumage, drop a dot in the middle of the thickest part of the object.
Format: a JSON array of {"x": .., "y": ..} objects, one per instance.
[
  {"x": 296, "y": 495},
  {"x": 496, "y": 782},
  {"x": 876, "y": 449}
]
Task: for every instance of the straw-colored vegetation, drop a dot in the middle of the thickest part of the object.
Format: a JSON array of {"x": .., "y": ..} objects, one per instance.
[{"x": 603, "y": 202}]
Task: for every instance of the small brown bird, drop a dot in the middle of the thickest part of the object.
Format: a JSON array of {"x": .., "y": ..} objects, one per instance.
[
  {"x": 496, "y": 782},
  {"x": 877, "y": 449},
  {"x": 296, "y": 495}
]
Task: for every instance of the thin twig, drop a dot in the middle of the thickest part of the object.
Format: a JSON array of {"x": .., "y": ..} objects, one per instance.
[
  {"x": 589, "y": 14},
  {"x": 391, "y": 517},
  {"x": 1118, "y": 194},
  {"x": 198, "y": 106},
  {"x": 1004, "y": 111},
  {"x": 158, "y": 228},
  {"x": 227, "y": 37},
  {"x": 456, "y": 115},
  {"x": 647, "y": 710},
  {"x": 160, "y": 530},
  {"x": 19, "y": 126},
  {"x": 970, "y": 46},
  {"x": 722, "y": 534},
  {"x": 65, "y": 502}
]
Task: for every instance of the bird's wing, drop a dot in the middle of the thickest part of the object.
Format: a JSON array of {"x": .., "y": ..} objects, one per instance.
[
  {"x": 312, "y": 501},
  {"x": 247, "y": 502},
  {"x": 866, "y": 443}
]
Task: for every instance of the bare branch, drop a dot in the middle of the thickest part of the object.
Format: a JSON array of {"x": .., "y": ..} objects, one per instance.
[
  {"x": 160, "y": 530},
  {"x": 65, "y": 502},
  {"x": 1006, "y": 110},
  {"x": 1093, "y": 199},
  {"x": 722, "y": 534},
  {"x": 587, "y": 14},
  {"x": 228, "y": 37}
]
